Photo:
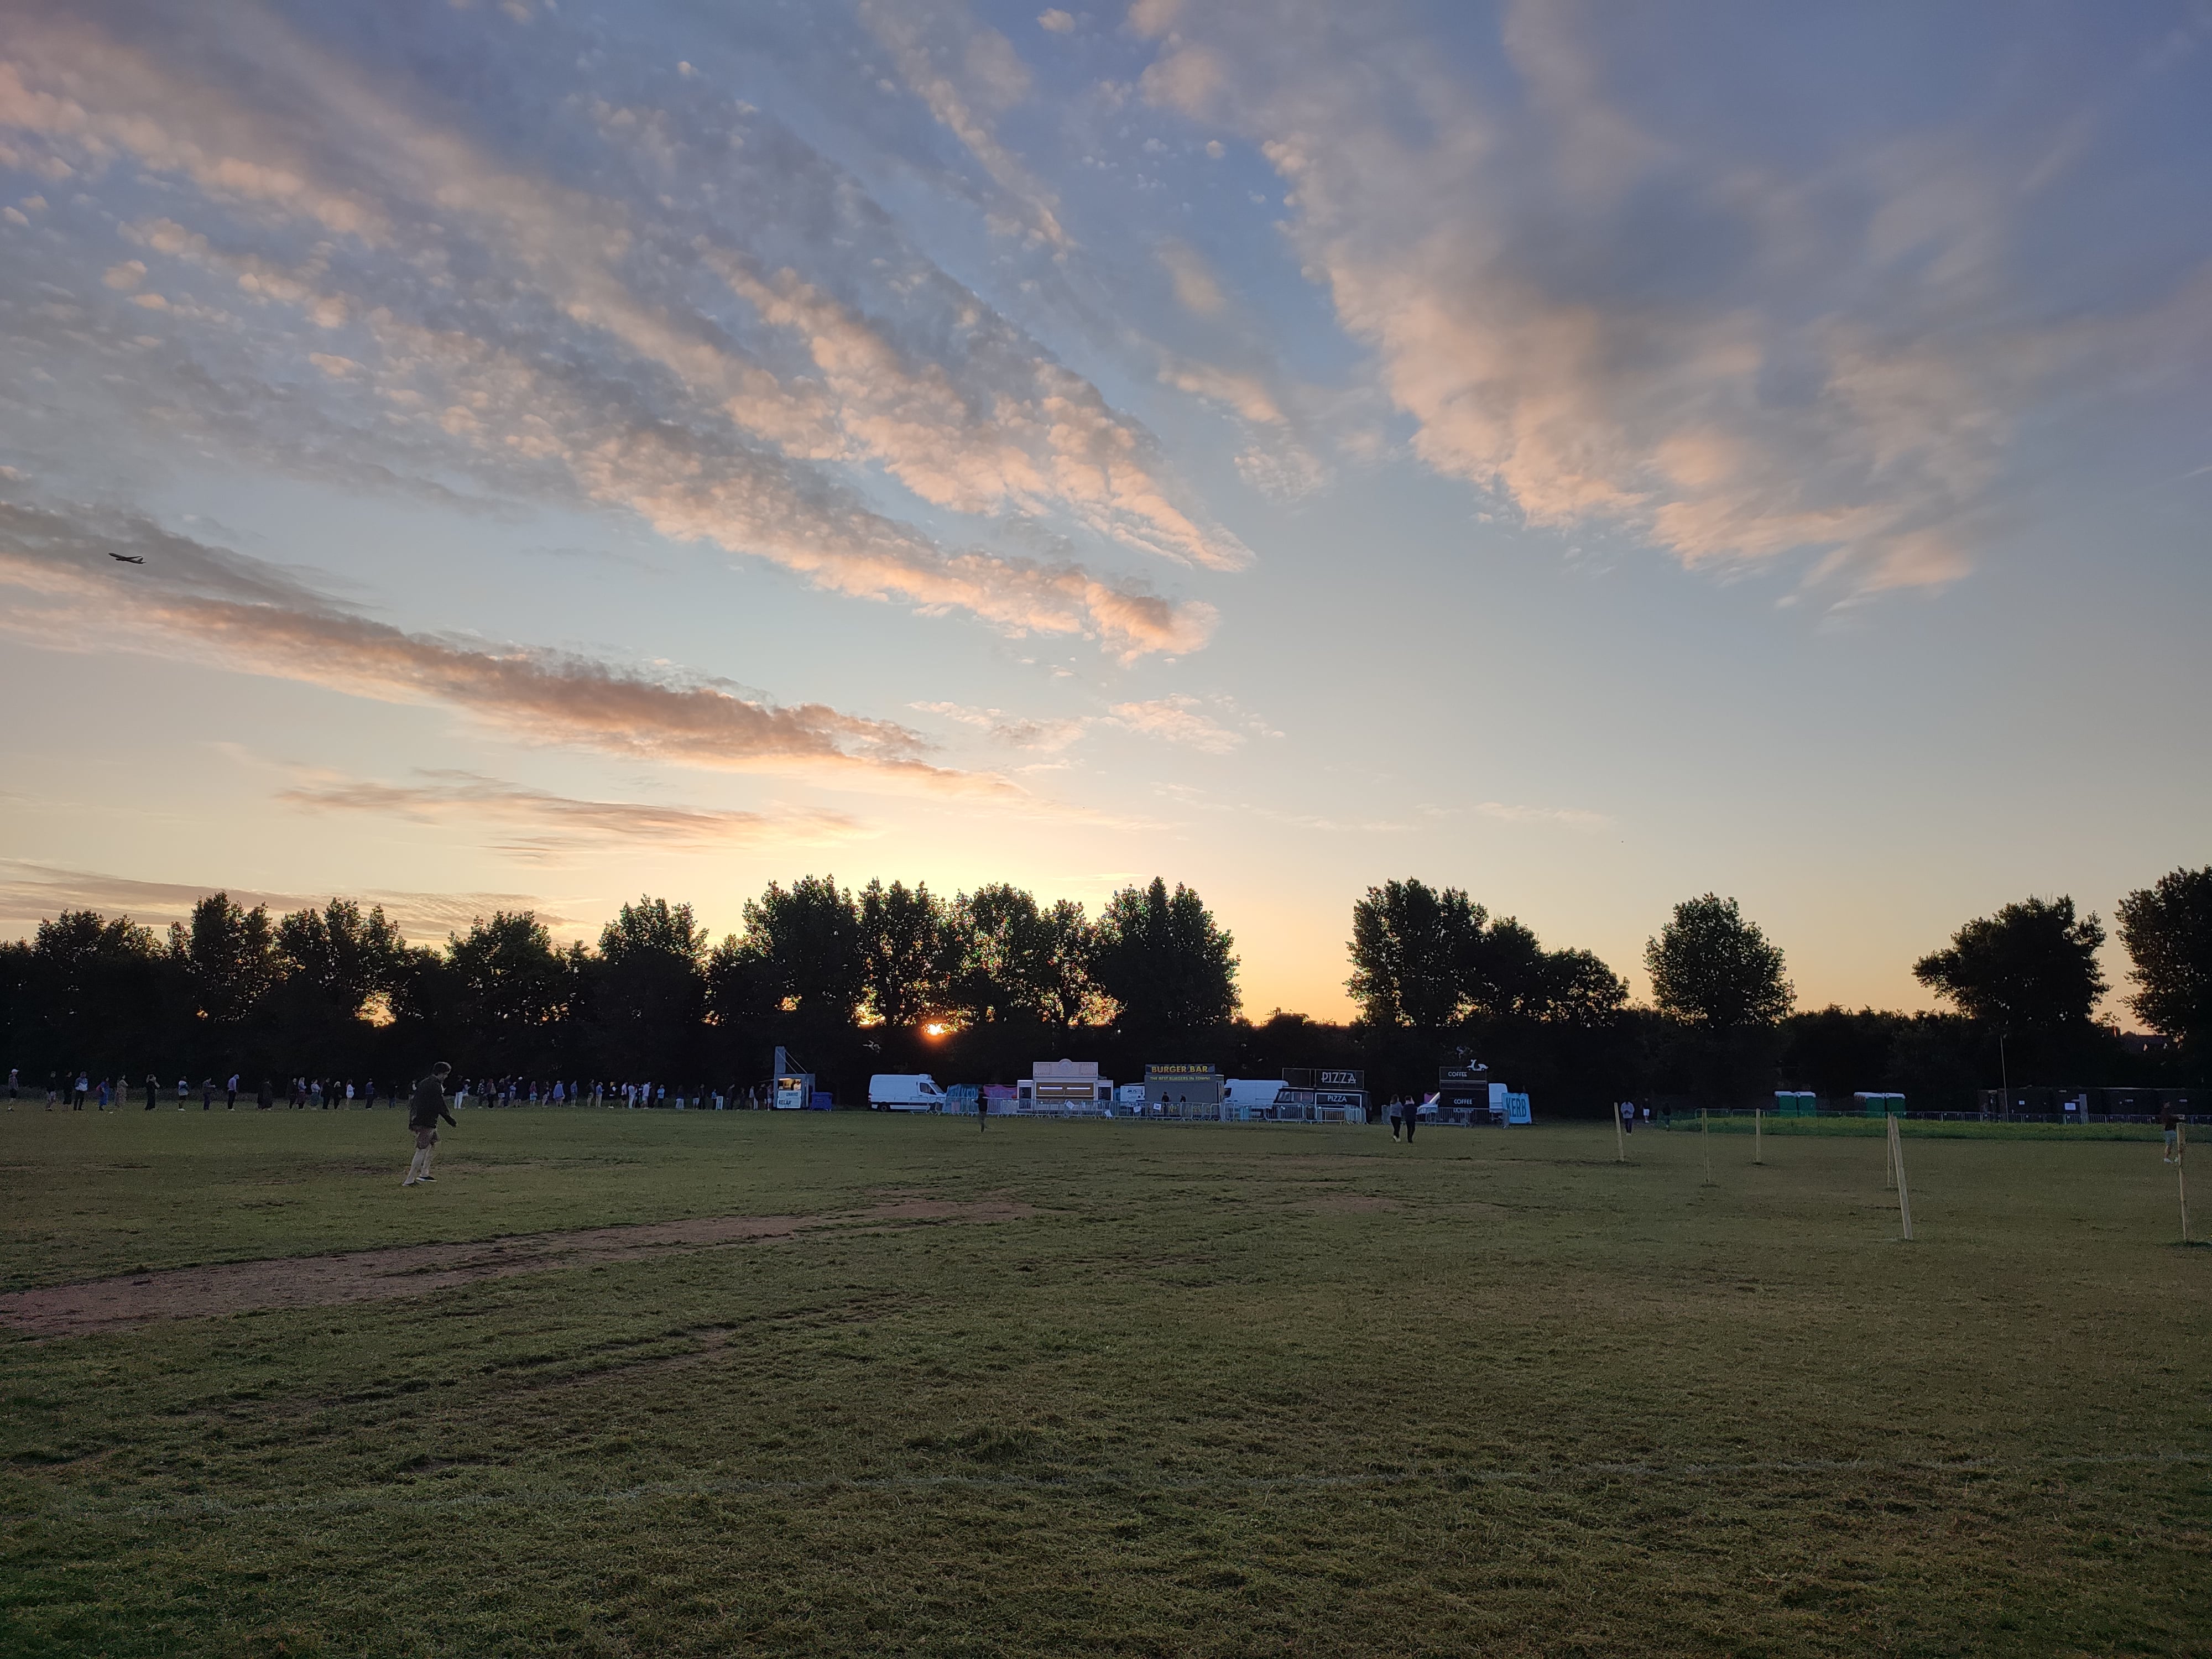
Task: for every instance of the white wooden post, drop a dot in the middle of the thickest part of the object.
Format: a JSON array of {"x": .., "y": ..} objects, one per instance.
[
  {"x": 1758, "y": 1154},
  {"x": 1897, "y": 1159}
]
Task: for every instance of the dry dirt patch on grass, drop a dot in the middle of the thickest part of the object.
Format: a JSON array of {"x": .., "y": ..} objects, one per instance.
[{"x": 106, "y": 1304}]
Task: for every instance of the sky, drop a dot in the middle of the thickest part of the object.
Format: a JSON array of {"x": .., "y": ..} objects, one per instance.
[{"x": 1587, "y": 455}]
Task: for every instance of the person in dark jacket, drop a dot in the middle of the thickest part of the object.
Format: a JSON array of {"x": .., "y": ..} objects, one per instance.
[{"x": 423, "y": 1112}]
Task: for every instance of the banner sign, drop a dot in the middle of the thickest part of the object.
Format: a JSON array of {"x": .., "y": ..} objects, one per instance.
[
  {"x": 1344, "y": 1079},
  {"x": 1462, "y": 1073}
]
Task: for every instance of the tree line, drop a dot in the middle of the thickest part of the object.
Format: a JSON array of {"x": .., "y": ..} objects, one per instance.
[
  {"x": 881, "y": 978},
  {"x": 976, "y": 986},
  {"x": 2022, "y": 985}
]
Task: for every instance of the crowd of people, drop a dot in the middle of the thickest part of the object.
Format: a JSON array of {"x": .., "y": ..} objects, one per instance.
[{"x": 324, "y": 1094}]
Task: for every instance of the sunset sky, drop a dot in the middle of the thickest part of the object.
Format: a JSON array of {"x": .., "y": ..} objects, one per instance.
[{"x": 1588, "y": 455}]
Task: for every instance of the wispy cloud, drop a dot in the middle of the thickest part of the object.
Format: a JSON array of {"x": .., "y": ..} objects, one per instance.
[
  {"x": 1182, "y": 719},
  {"x": 212, "y": 603},
  {"x": 314, "y": 216},
  {"x": 542, "y": 828},
  {"x": 30, "y": 893},
  {"x": 1573, "y": 817},
  {"x": 1177, "y": 718},
  {"x": 1730, "y": 356},
  {"x": 1015, "y": 731},
  {"x": 967, "y": 73}
]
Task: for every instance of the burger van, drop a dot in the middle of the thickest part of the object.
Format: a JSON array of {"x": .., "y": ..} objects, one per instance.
[{"x": 904, "y": 1091}]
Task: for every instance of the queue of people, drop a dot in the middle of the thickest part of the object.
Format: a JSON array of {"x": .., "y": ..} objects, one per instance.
[
  {"x": 605, "y": 1094},
  {"x": 305, "y": 1093}
]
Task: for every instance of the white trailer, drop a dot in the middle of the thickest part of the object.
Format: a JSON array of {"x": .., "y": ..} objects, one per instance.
[{"x": 904, "y": 1091}]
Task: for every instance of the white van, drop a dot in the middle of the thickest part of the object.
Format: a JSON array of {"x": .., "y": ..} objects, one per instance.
[
  {"x": 1243, "y": 1099},
  {"x": 904, "y": 1091}
]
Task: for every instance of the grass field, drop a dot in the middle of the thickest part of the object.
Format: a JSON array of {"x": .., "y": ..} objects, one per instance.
[{"x": 1154, "y": 1389}]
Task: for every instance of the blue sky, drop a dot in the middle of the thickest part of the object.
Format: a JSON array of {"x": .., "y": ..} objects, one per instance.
[{"x": 1590, "y": 456}]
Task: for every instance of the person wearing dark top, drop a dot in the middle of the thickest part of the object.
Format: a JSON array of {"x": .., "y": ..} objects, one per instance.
[
  {"x": 423, "y": 1111},
  {"x": 2170, "y": 1121},
  {"x": 267, "y": 1097}
]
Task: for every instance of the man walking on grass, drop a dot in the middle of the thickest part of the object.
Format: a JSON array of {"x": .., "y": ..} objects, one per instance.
[
  {"x": 2169, "y": 1120},
  {"x": 423, "y": 1112}
]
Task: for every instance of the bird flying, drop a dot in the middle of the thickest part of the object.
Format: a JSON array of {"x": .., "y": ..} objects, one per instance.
[{"x": 128, "y": 558}]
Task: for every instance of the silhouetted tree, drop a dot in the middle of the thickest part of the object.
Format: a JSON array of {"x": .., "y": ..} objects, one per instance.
[
  {"x": 648, "y": 987},
  {"x": 1169, "y": 970},
  {"x": 2032, "y": 968},
  {"x": 1069, "y": 993},
  {"x": 905, "y": 948},
  {"x": 806, "y": 940},
  {"x": 1713, "y": 969},
  {"x": 1413, "y": 948},
  {"x": 738, "y": 990},
  {"x": 2167, "y": 930},
  {"x": 1574, "y": 987},
  {"x": 1003, "y": 965},
  {"x": 96, "y": 987},
  {"x": 507, "y": 985},
  {"x": 229, "y": 957},
  {"x": 345, "y": 956}
]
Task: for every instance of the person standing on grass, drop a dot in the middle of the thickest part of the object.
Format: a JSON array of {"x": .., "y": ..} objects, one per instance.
[
  {"x": 2170, "y": 1121},
  {"x": 268, "y": 1097},
  {"x": 230, "y": 1094},
  {"x": 423, "y": 1111},
  {"x": 152, "y": 1090}
]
